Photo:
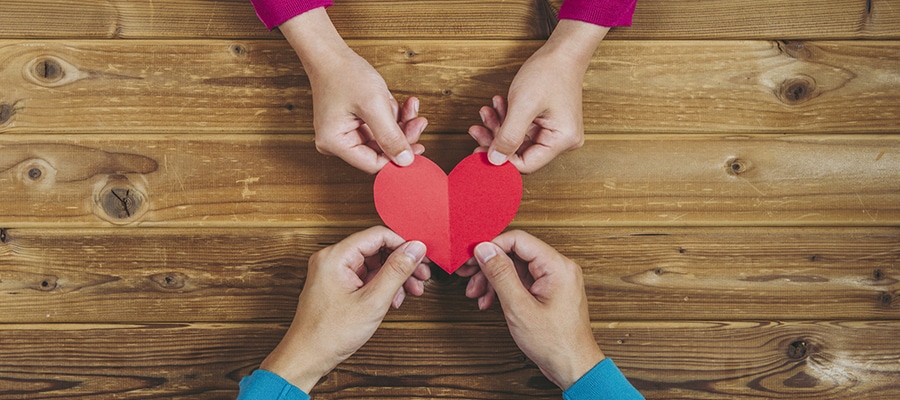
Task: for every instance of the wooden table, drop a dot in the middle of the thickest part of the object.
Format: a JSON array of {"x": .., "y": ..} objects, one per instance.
[{"x": 736, "y": 206}]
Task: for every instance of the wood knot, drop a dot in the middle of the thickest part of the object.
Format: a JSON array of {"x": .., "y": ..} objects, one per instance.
[
  {"x": 170, "y": 280},
  {"x": 410, "y": 54},
  {"x": 238, "y": 50},
  {"x": 48, "y": 70},
  {"x": 119, "y": 201},
  {"x": 6, "y": 112},
  {"x": 48, "y": 284},
  {"x": 885, "y": 299},
  {"x": 446, "y": 92},
  {"x": 798, "y": 349},
  {"x": 796, "y": 90},
  {"x": 4, "y": 235},
  {"x": 737, "y": 166},
  {"x": 878, "y": 274},
  {"x": 35, "y": 173}
]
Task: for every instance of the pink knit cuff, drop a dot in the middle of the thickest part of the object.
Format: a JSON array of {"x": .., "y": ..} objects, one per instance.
[
  {"x": 607, "y": 13},
  {"x": 275, "y": 12}
]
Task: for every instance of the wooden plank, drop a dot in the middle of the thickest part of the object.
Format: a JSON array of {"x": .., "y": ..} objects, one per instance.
[
  {"x": 454, "y": 19},
  {"x": 276, "y": 180},
  {"x": 760, "y": 19},
  {"x": 259, "y": 87},
  {"x": 850, "y": 359},
  {"x": 389, "y": 19},
  {"x": 220, "y": 275}
]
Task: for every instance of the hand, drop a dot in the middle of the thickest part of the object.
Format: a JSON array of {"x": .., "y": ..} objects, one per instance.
[
  {"x": 349, "y": 288},
  {"x": 355, "y": 116},
  {"x": 544, "y": 302},
  {"x": 544, "y": 115}
]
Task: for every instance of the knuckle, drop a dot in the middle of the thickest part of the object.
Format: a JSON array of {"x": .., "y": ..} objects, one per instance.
[
  {"x": 507, "y": 142},
  {"x": 498, "y": 268}
]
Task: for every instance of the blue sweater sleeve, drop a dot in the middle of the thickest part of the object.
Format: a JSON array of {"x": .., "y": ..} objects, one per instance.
[
  {"x": 264, "y": 385},
  {"x": 603, "y": 382}
]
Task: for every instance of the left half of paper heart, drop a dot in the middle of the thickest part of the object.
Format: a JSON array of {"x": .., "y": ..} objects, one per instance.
[{"x": 415, "y": 204}]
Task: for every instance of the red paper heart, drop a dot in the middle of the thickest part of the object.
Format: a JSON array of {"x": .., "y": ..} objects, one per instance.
[{"x": 450, "y": 214}]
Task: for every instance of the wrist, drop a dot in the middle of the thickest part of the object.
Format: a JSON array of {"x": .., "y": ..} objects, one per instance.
[
  {"x": 576, "y": 367},
  {"x": 315, "y": 40},
  {"x": 575, "y": 41},
  {"x": 296, "y": 365}
]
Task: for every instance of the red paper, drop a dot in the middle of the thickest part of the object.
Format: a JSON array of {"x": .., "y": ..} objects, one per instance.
[{"x": 450, "y": 214}]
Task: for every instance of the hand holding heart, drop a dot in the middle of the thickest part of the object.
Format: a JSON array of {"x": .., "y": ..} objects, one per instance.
[
  {"x": 349, "y": 288},
  {"x": 544, "y": 302},
  {"x": 450, "y": 214}
]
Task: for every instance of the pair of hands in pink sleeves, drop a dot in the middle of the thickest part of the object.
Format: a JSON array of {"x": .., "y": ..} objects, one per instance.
[{"x": 357, "y": 119}]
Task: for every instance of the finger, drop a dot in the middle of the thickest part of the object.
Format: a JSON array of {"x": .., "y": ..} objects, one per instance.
[
  {"x": 469, "y": 268},
  {"x": 487, "y": 300},
  {"x": 353, "y": 148},
  {"x": 410, "y": 110},
  {"x": 414, "y": 286},
  {"x": 501, "y": 273},
  {"x": 412, "y": 129},
  {"x": 382, "y": 120},
  {"x": 398, "y": 298},
  {"x": 398, "y": 267},
  {"x": 530, "y": 250},
  {"x": 535, "y": 157},
  {"x": 510, "y": 135},
  {"x": 423, "y": 271},
  {"x": 490, "y": 118},
  {"x": 500, "y": 106},
  {"x": 477, "y": 286},
  {"x": 370, "y": 242},
  {"x": 482, "y": 135}
]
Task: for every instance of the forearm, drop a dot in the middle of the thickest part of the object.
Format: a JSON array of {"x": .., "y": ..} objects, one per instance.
[{"x": 574, "y": 42}]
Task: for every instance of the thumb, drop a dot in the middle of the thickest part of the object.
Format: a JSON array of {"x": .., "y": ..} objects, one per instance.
[
  {"x": 501, "y": 272},
  {"x": 382, "y": 121},
  {"x": 510, "y": 135},
  {"x": 398, "y": 267}
]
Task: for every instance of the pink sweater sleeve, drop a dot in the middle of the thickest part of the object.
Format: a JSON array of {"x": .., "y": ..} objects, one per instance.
[
  {"x": 599, "y": 12},
  {"x": 275, "y": 12}
]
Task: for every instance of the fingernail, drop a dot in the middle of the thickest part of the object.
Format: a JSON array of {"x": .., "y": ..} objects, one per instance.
[
  {"x": 484, "y": 252},
  {"x": 415, "y": 249},
  {"x": 398, "y": 299},
  {"x": 497, "y": 158},
  {"x": 405, "y": 158},
  {"x": 481, "y": 302},
  {"x": 416, "y": 105}
]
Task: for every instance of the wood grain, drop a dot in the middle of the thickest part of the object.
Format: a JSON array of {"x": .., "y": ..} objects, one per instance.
[
  {"x": 850, "y": 359},
  {"x": 229, "y": 275},
  {"x": 277, "y": 180},
  {"x": 197, "y": 19},
  {"x": 456, "y": 19},
  {"x": 258, "y": 86},
  {"x": 760, "y": 19}
]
